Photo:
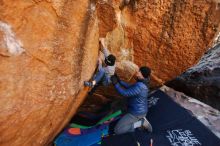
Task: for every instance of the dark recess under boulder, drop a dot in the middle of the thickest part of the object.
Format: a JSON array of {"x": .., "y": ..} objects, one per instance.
[{"x": 203, "y": 80}]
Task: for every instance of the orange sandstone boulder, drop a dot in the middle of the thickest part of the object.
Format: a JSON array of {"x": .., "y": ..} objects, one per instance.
[
  {"x": 169, "y": 36},
  {"x": 49, "y": 47}
]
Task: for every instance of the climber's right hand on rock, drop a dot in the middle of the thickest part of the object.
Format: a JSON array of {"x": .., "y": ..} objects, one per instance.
[{"x": 102, "y": 41}]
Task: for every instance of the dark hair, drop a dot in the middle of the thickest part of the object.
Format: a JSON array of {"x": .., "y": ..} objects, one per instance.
[
  {"x": 110, "y": 60},
  {"x": 145, "y": 71}
]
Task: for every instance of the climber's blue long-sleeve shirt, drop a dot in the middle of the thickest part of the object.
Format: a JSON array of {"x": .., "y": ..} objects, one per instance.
[{"x": 137, "y": 96}]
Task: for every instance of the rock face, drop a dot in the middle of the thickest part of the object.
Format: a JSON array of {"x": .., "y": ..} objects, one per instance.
[
  {"x": 169, "y": 36},
  {"x": 203, "y": 80},
  {"x": 49, "y": 47}
]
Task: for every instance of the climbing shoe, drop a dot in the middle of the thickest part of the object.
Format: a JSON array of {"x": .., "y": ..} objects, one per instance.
[
  {"x": 146, "y": 125},
  {"x": 89, "y": 84}
]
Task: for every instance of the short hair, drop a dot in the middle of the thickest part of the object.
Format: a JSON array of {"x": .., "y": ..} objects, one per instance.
[
  {"x": 145, "y": 71},
  {"x": 110, "y": 60}
]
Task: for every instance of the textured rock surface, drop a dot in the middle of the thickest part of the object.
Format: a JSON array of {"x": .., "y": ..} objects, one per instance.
[
  {"x": 203, "y": 80},
  {"x": 48, "y": 47},
  {"x": 46, "y": 51},
  {"x": 169, "y": 36}
]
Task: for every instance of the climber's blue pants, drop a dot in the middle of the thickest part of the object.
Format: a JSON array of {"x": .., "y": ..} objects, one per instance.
[{"x": 101, "y": 76}]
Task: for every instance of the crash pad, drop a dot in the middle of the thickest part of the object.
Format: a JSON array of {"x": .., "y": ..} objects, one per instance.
[{"x": 172, "y": 125}]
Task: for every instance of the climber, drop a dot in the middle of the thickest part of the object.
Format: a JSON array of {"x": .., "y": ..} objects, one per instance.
[
  {"x": 137, "y": 102},
  {"x": 126, "y": 2},
  {"x": 104, "y": 72}
]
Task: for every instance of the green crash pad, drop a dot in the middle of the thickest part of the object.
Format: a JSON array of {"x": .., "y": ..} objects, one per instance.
[{"x": 106, "y": 118}]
